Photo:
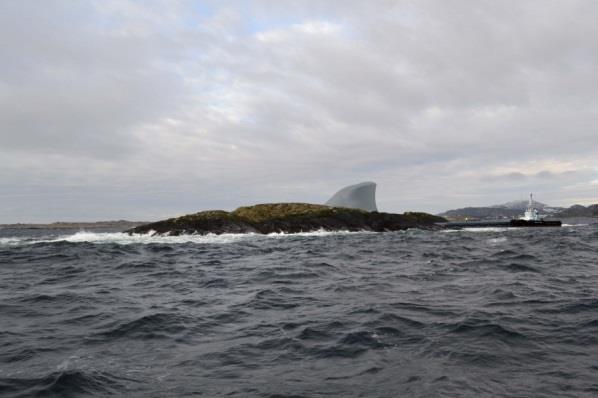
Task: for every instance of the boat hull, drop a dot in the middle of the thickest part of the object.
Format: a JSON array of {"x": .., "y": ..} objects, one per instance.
[
  {"x": 501, "y": 224},
  {"x": 535, "y": 223}
]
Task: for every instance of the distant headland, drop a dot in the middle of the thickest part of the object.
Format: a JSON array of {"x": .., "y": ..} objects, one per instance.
[{"x": 97, "y": 225}]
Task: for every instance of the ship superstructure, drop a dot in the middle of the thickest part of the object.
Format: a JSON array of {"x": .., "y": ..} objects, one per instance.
[{"x": 531, "y": 213}]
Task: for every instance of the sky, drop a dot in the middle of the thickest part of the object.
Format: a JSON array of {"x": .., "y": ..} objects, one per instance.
[{"x": 141, "y": 110}]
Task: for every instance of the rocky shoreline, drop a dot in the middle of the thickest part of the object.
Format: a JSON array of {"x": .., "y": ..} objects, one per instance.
[{"x": 288, "y": 218}]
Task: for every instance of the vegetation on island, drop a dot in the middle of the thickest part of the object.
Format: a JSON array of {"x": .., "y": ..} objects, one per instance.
[{"x": 288, "y": 218}]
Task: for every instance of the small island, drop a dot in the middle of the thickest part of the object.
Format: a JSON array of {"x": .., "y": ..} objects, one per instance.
[
  {"x": 288, "y": 218},
  {"x": 353, "y": 208}
]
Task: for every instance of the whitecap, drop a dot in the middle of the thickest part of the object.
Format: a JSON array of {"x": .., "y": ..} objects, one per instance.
[
  {"x": 320, "y": 232},
  {"x": 151, "y": 237},
  {"x": 10, "y": 241},
  {"x": 487, "y": 229},
  {"x": 123, "y": 238}
]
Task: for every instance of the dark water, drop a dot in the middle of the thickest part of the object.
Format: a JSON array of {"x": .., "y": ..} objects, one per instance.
[{"x": 458, "y": 314}]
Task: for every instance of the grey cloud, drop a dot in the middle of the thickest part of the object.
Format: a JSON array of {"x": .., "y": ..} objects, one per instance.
[
  {"x": 69, "y": 86},
  {"x": 238, "y": 102},
  {"x": 542, "y": 175}
]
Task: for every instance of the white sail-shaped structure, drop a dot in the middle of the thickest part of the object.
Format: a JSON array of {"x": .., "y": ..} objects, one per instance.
[{"x": 359, "y": 196}]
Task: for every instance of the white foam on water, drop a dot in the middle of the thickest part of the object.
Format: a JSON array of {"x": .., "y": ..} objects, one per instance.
[
  {"x": 320, "y": 232},
  {"x": 487, "y": 229},
  {"x": 151, "y": 237},
  {"x": 10, "y": 241},
  {"x": 126, "y": 239},
  {"x": 497, "y": 241}
]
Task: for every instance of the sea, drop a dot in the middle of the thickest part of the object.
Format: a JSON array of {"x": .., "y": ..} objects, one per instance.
[{"x": 495, "y": 312}]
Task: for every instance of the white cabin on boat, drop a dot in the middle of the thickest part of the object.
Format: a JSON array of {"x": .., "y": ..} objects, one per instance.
[{"x": 531, "y": 213}]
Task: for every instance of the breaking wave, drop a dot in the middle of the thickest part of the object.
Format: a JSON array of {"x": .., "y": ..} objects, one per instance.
[{"x": 149, "y": 238}]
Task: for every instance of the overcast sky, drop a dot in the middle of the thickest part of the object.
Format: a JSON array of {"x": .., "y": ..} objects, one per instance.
[{"x": 143, "y": 110}]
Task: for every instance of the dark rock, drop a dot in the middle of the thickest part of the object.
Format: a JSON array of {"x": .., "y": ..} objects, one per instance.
[{"x": 288, "y": 218}]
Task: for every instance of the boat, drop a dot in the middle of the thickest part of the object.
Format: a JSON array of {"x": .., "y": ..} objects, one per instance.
[{"x": 530, "y": 218}]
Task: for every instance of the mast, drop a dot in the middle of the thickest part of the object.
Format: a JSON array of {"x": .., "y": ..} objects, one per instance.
[{"x": 530, "y": 213}]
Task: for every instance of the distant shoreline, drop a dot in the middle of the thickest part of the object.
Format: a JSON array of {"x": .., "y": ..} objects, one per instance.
[{"x": 120, "y": 224}]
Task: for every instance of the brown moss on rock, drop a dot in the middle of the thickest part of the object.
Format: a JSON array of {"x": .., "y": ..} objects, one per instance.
[{"x": 281, "y": 211}]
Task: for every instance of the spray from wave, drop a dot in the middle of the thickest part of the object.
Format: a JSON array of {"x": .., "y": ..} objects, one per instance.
[{"x": 150, "y": 238}]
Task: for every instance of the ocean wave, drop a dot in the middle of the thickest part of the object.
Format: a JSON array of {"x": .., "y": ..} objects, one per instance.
[
  {"x": 64, "y": 383},
  {"x": 150, "y": 326},
  {"x": 486, "y": 329},
  {"x": 488, "y": 229},
  {"x": 497, "y": 241},
  {"x": 10, "y": 241},
  {"x": 516, "y": 267},
  {"x": 123, "y": 238}
]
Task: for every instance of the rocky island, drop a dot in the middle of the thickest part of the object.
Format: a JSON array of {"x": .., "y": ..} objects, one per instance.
[
  {"x": 288, "y": 218},
  {"x": 352, "y": 208}
]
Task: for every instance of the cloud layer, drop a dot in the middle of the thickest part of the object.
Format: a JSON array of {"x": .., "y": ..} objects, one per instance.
[{"x": 118, "y": 109}]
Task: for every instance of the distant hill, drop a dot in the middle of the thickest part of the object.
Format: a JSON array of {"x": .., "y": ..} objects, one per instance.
[
  {"x": 480, "y": 213},
  {"x": 507, "y": 210},
  {"x": 520, "y": 205},
  {"x": 119, "y": 224},
  {"x": 578, "y": 211}
]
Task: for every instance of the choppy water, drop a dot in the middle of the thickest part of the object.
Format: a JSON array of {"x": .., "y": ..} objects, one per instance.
[{"x": 498, "y": 312}]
